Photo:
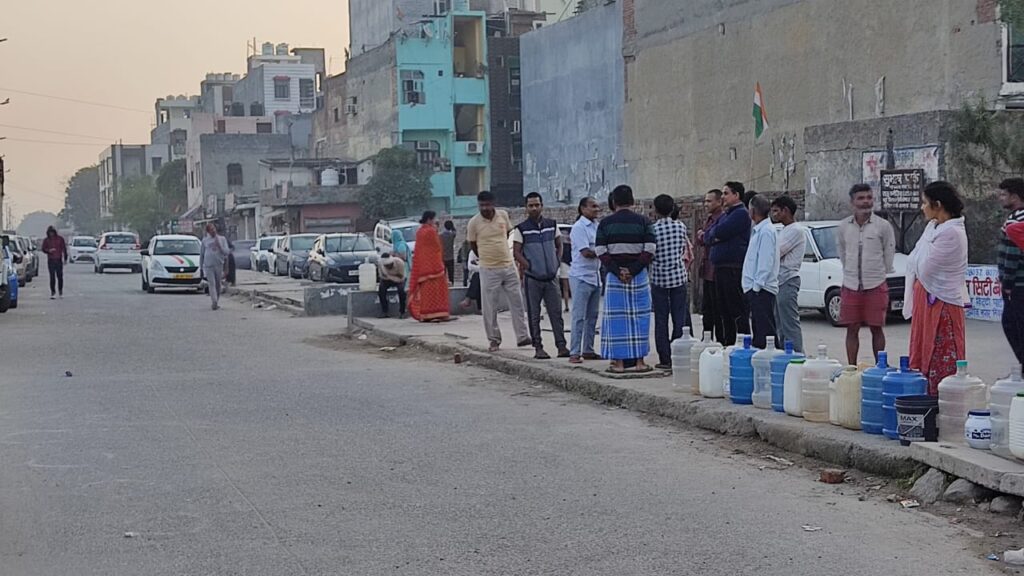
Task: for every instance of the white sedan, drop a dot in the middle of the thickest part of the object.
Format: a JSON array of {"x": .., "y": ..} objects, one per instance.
[{"x": 172, "y": 261}]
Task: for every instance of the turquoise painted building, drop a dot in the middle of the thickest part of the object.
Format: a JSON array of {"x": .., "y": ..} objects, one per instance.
[{"x": 442, "y": 101}]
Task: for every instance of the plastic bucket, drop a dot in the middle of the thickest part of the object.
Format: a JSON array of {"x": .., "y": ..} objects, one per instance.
[{"x": 917, "y": 419}]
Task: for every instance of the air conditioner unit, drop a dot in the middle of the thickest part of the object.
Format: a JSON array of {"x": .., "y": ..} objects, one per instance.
[
  {"x": 350, "y": 109},
  {"x": 517, "y": 126},
  {"x": 474, "y": 148},
  {"x": 424, "y": 145}
]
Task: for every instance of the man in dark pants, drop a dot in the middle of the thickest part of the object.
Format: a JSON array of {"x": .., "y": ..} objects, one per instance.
[
  {"x": 392, "y": 275},
  {"x": 1011, "y": 271},
  {"x": 538, "y": 251},
  {"x": 56, "y": 251},
  {"x": 761, "y": 272},
  {"x": 728, "y": 239},
  {"x": 448, "y": 249},
  {"x": 668, "y": 280},
  {"x": 709, "y": 300}
]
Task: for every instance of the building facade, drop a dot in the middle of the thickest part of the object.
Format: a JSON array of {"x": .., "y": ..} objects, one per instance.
[
  {"x": 311, "y": 195},
  {"x": 168, "y": 138},
  {"x": 278, "y": 82},
  {"x": 117, "y": 163}
]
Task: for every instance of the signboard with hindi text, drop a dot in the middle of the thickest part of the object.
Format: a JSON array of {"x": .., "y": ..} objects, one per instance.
[
  {"x": 985, "y": 292},
  {"x": 900, "y": 190}
]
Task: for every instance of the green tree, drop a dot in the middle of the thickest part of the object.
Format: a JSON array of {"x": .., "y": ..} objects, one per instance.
[
  {"x": 172, "y": 185},
  {"x": 82, "y": 201},
  {"x": 139, "y": 206},
  {"x": 399, "y": 186}
]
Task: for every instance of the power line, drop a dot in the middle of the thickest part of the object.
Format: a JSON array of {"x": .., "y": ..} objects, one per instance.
[
  {"x": 93, "y": 144},
  {"x": 27, "y": 129},
  {"x": 76, "y": 101}
]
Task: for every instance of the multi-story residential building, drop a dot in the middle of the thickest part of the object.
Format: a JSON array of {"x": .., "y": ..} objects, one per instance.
[
  {"x": 117, "y": 163},
  {"x": 217, "y": 94},
  {"x": 173, "y": 121},
  {"x": 278, "y": 82}
]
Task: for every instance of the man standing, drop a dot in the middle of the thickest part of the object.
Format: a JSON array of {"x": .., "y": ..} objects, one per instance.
[
  {"x": 625, "y": 244},
  {"x": 712, "y": 319},
  {"x": 761, "y": 272},
  {"x": 448, "y": 249},
  {"x": 585, "y": 282},
  {"x": 792, "y": 243},
  {"x": 728, "y": 239},
  {"x": 668, "y": 279},
  {"x": 537, "y": 248},
  {"x": 56, "y": 251},
  {"x": 392, "y": 275},
  {"x": 487, "y": 233},
  {"x": 213, "y": 260},
  {"x": 867, "y": 247},
  {"x": 1011, "y": 272}
]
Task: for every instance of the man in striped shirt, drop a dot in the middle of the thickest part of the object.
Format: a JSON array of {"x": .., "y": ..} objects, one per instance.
[
  {"x": 626, "y": 246},
  {"x": 1011, "y": 270}
]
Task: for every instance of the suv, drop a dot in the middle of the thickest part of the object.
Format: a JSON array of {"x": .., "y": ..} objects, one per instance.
[
  {"x": 383, "y": 230},
  {"x": 118, "y": 250},
  {"x": 81, "y": 248}
]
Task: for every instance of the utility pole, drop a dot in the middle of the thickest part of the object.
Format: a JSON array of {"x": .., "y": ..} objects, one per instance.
[{"x": 1, "y": 193}]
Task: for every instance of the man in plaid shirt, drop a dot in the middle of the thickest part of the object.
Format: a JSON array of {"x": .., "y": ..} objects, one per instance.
[{"x": 668, "y": 279}]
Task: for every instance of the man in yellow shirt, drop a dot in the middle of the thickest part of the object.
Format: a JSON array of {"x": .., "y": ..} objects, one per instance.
[{"x": 487, "y": 234}]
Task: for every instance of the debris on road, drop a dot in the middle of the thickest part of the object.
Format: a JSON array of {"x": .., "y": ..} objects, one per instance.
[
  {"x": 809, "y": 528},
  {"x": 361, "y": 337},
  {"x": 67, "y": 374},
  {"x": 832, "y": 476},
  {"x": 457, "y": 358},
  {"x": 1014, "y": 557},
  {"x": 892, "y": 498},
  {"x": 992, "y": 556},
  {"x": 271, "y": 307},
  {"x": 131, "y": 534},
  {"x": 389, "y": 348},
  {"x": 778, "y": 460},
  {"x": 910, "y": 503}
]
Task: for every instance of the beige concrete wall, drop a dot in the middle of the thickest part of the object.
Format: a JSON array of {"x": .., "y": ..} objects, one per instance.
[{"x": 691, "y": 85}]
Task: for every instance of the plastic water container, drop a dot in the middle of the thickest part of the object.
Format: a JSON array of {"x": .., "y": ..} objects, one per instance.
[
  {"x": 712, "y": 361},
  {"x": 904, "y": 382},
  {"x": 792, "y": 392},
  {"x": 844, "y": 399},
  {"x": 741, "y": 374},
  {"x": 871, "y": 395},
  {"x": 1000, "y": 396},
  {"x": 1016, "y": 426},
  {"x": 779, "y": 365},
  {"x": 725, "y": 366},
  {"x": 681, "y": 360},
  {"x": 814, "y": 385},
  {"x": 959, "y": 394},
  {"x": 762, "y": 363},
  {"x": 695, "y": 352},
  {"x": 367, "y": 276}
]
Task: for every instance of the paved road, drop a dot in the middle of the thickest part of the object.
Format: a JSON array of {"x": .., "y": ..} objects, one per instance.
[{"x": 225, "y": 443}]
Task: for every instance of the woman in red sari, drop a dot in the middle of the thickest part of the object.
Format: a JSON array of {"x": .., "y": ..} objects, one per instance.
[
  {"x": 428, "y": 286},
  {"x": 935, "y": 289}
]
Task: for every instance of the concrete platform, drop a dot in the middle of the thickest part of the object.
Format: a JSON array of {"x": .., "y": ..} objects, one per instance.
[{"x": 979, "y": 466}]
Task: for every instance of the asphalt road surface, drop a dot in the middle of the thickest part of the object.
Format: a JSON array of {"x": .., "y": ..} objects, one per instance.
[{"x": 193, "y": 442}]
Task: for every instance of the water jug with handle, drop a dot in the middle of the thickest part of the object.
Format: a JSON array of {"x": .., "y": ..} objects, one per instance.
[
  {"x": 779, "y": 364},
  {"x": 711, "y": 363},
  {"x": 367, "y": 276},
  {"x": 695, "y": 352},
  {"x": 792, "y": 392},
  {"x": 681, "y": 360},
  {"x": 1000, "y": 396},
  {"x": 871, "y": 395},
  {"x": 817, "y": 374},
  {"x": 762, "y": 363},
  {"x": 959, "y": 394},
  {"x": 1016, "y": 426},
  {"x": 844, "y": 399},
  {"x": 741, "y": 373},
  {"x": 903, "y": 382}
]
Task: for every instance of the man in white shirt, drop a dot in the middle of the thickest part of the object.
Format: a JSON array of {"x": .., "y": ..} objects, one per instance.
[
  {"x": 760, "y": 280},
  {"x": 792, "y": 243},
  {"x": 584, "y": 282}
]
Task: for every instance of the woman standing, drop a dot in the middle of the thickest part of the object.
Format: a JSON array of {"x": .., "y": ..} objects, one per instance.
[
  {"x": 935, "y": 292},
  {"x": 428, "y": 286}
]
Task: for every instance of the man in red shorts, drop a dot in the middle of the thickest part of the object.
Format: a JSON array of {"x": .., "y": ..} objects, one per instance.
[{"x": 867, "y": 246}]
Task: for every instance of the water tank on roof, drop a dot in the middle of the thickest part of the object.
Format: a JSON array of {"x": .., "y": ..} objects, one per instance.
[
  {"x": 329, "y": 177},
  {"x": 268, "y": 49},
  {"x": 282, "y": 49}
]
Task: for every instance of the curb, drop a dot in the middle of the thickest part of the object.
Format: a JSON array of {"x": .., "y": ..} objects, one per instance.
[
  {"x": 825, "y": 442},
  {"x": 256, "y": 296}
]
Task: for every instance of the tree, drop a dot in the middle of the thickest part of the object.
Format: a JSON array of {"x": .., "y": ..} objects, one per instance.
[
  {"x": 82, "y": 201},
  {"x": 172, "y": 185},
  {"x": 139, "y": 206},
  {"x": 399, "y": 185}
]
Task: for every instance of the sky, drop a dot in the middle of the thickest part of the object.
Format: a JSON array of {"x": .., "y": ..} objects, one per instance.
[{"x": 125, "y": 54}]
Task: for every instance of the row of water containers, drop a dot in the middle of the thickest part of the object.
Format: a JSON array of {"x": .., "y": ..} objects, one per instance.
[{"x": 820, "y": 389}]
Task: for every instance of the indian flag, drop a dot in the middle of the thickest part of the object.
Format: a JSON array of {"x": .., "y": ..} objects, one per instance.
[{"x": 760, "y": 114}]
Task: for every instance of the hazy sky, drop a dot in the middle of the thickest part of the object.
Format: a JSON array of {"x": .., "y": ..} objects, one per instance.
[{"x": 125, "y": 53}]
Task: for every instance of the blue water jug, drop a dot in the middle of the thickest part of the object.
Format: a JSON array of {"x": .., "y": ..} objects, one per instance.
[
  {"x": 741, "y": 373},
  {"x": 905, "y": 382},
  {"x": 779, "y": 365},
  {"x": 871, "y": 419}
]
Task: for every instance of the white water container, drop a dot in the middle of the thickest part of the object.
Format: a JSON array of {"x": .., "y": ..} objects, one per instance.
[
  {"x": 695, "y": 352},
  {"x": 1000, "y": 396},
  {"x": 844, "y": 398},
  {"x": 1016, "y": 426},
  {"x": 367, "y": 276},
  {"x": 762, "y": 364},
  {"x": 959, "y": 394},
  {"x": 681, "y": 372},
  {"x": 817, "y": 375},
  {"x": 792, "y": 393},
  {"x": 725, "y": 367},
  {"x": 712, "y": 361}
]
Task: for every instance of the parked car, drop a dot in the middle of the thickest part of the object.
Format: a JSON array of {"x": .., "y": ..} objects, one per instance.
[
  {"x": 31, "y": 257},
  {"x": 821, "y": 274},
  {"x": 383, "y": 230},
  {"x": 172, "y": 261},
  {"x": 8, "y": 277},
  {"x": 336, "y": 257},
  {"x": 293, "y": 254},
  {"x": 262, "y": 255},
  {"x": 82, "y": 248},
  {"x": 19, "y": 260},
  {"x": 241, "y": 251},
  {"x": 118, "y": 250}
]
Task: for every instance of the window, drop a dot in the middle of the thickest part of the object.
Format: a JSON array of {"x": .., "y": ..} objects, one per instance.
[
  {"x": 427, "y": 152},
  {"x": 337, "y": 115},
  {"x": 177, "y": 247},
  {"x": 442, "y": 6},
  {"x": 307, "y": 93},
  {"x": 221, "y": 127},
  {"x": 514, "y": 83},
  {"x": 235, "y": 175},
  {"x": 1014, "y": 55},
  {"x": 809, "y": 255},
  {"x": 517, "y": 151},
  {"x": 264, "y": 128},
  {"x": 350, "y": 105},
  {"x": 156, "y": 163},
  {"x": 282, "y": 88},
  {"x": 827, "y": 240},
  {"x": 412, "y": 87}
]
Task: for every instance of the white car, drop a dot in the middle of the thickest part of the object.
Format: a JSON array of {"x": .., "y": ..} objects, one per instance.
[
  {"x": 118, "y": 250},
  {"x": 821, "y": 274},
  {"x": 262, "y": 256},
  {"x": 172, "y": 261},
  {"x": 82, "y": 248},
  {"x": 382, "y": 234}
]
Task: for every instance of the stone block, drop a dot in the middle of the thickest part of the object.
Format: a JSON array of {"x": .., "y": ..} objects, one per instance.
[
  {"x": 963, "y": 491},
  {"x": 1009, "y": 505},
  {"x": 929, "y": 488},
  {"x": 979, "y": 466}
]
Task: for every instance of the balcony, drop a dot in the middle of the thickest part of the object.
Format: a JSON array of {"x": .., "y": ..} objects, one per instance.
[
  {"x": 471, "y": 90},
  {"x": 309, "y": 195}
]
